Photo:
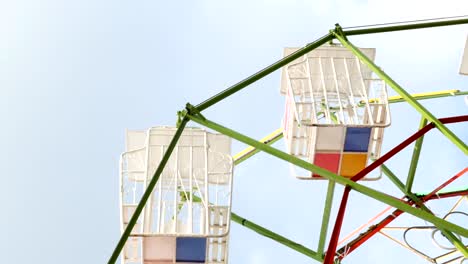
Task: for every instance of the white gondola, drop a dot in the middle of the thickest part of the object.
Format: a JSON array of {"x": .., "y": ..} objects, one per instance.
[
  {"x": 187, "y": 218},
  {"x": 464, "y": 60},
  {"x": 335, "y": 112}
]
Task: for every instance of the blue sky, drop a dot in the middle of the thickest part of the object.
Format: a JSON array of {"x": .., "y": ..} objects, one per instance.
[{"x": 75, "y": 74}]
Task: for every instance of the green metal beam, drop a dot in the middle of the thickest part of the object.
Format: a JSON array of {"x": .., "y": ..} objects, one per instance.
[
  {"x": 253, "y": 78},
  {"x": 250, "y": 151},
  {"x": 392, "y": 177},
  {"x": 326, "y": 217},
  {"x": 147, "y": 194},
  {"x": 382, "y": 197},
  {"x": 449, "y": 235},
  {"x": 243, "y": 156},
  {"x": 328, "y": 37},
  {"x": 415, "y": 157},
  {"x": 381, "y": 29},
  {"x": 257, "y": 76},
  {"x": 421, "y": 109},
  {"x": 277, "y": 135},
  {"x": 274, "y": 236},
  {"x": 238, "y": 159},
  {"x": 267, "y": 233}
]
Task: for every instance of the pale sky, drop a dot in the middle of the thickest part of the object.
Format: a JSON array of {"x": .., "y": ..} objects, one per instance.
[{"x": 75, "y": 74}]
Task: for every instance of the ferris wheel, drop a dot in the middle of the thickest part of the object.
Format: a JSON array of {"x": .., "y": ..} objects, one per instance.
[{"x": 176, "y": 182}]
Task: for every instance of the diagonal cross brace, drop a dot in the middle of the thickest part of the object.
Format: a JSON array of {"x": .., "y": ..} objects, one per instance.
[
  {"x": 404, "y": 94},
  {"x": 147, "y": 193},
  {"x": 382, "y": 197}
]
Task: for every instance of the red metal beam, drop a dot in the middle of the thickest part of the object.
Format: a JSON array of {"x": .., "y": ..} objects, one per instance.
[
  {"x": 404, "y": 144},
  {"x": 458, "y": 175},
  {"x": 450, "y": 194},
  {"x": 329, "y": 256},
  {"x": 350, "y": 247}
]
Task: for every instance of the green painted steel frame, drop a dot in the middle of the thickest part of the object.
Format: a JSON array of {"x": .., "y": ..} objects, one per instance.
[
  {"x": 268, "y": 233},
  {"x": 309, "y": 47},
  {"x": 255, "y": 151},
  {"x": 382, "y": 197},
  {"x": 338, "y": 33},
  {"x": 326, "y": 217},
  {"x": 257, "y": 76},
  {"x": 409, "y": 26},
  {"x": 449, "y": 235},
  {"x": 394, "y": 179},
  {"x": 415, "y": 157},
  {"x": 426, "y": 115},
  {"x": 419, "y": 107},
  {"x": 280, "y": 239},
  {"x": 328, "y": 200},
  {"x": 147, "y": 193}
]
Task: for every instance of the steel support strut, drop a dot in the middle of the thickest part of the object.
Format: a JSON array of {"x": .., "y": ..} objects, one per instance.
[
  {"x": 147, "y": 193},
  {"x": 280, "y": 239},
  {"x": 415, "y": 157},
  {"x": 331, "y": 176},
  {"x": 326, "y": 216},
  {"x": 452, "y": 238},
  {"x": 250, "y": 151},
  {"x": 257, "y": 76},
  {"x": 382, "y": 29},
  {"x": 382, "y": 197},
  {"x": 421, "y": 109},
  {"x": 387, "y": 220},
  {"x": 311, "y": 46},
  {"x": 275, "y": 136},
  {"x": 330, "y": 254},
  {"x": 336, "y": 231},
  {"x": 243, "y": 156}
]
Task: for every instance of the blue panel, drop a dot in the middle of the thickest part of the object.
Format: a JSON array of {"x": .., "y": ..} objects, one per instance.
[
  {"x": 191, "y": 249},
  {"x": 357, "y": 139}
]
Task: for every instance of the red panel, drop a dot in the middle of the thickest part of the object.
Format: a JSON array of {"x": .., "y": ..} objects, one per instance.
[{"x": 328, "y": 161}]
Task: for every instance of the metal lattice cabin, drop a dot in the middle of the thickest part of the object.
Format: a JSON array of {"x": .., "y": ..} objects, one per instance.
[
  {"x": 336, "y": 110},
  {"x": 187, "y": 218}
]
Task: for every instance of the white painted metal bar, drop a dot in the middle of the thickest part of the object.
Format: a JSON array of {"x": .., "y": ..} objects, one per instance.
[
  {"x": 147, "y": 216},
  {"x": 324, "y": 88},
  {"x": 206, "y": 194},
  {"x": 290, "y": 93},
  {"x": 215, "y": 228},
  {"x": 388, "y": 117},
  {"x": 405, "y": 246},
  {"x": 312, "y": 97},
  {"x": 366, "y": 98},
  {"x": 353, "y": 105},
  {"x": 176, "y": 204},
  {"x": 160, "y": 195},
  {"x": 190, "y": 205},
  {"x": 337, "y": 89}
]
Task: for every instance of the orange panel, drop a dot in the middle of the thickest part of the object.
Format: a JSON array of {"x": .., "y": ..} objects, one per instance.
[{"x": 352, "y": 163}]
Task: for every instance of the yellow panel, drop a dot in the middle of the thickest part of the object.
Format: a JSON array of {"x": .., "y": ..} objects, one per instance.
[{"x": 352, "y": 163}]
